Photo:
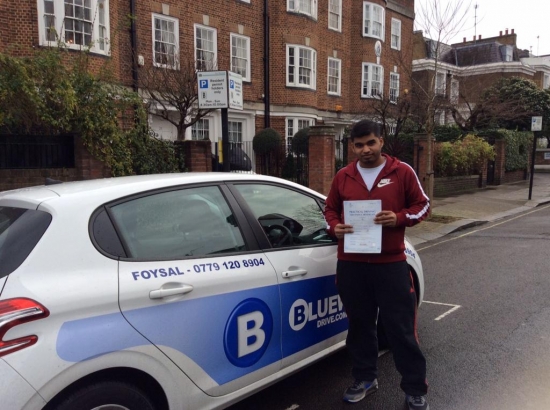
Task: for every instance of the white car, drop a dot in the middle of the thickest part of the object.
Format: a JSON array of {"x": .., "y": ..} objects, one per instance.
[{"x": 177, "y": 291}]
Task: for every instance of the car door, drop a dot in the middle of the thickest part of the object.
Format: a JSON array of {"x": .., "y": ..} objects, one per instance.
[
  {"x": 197, "y": 285},
  {"x": 304, "y": 257}
]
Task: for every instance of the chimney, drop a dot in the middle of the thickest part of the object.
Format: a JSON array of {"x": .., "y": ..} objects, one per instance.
[
  {"x": 464, "y": 40},
  {"x": 506, "y": 31},
  {"x": 474, "y": 38},
  {"x": 479, "y": 37},
  {"x": 512, "y": 31}
]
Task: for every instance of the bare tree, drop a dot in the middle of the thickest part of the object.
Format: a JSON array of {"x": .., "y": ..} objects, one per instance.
[
  {"x": 171, "y": 93},
  {"x": 391, "y": 112},
  {"x": 440, "y": 22}
]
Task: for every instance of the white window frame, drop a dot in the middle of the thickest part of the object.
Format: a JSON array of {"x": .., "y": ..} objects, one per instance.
[
  {"x": 440, "y": 87},
  {"x": 246, "y": 39},
  {"x": 200, "y": 128},
  {"x": 546, "y": 81},
  {"x": 367, "y": 89},
  {"x": 335, "y": 11},
  {"x": 369, "y": 22},
  {"x": 57, "y": 33},
  {"x": 455, "y": 91},
  {"x": 396, "y": 34},
  {"x": 239, "y": 132},
  {"x": 293, "y": 67},
  {"x": 175, "y": 21},
  {"x": 306, "y": 7},
  {"x": 293, "y": 125},
  {"x": 214, "y": 52},
  {"x": 338, "y": 76},
  {"x": 440, "y": 118},
  {"x": 394, "y": 91}
]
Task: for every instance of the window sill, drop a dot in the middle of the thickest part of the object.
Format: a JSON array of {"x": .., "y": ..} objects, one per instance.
[
  {"x": 308, "y": 16},
  {"x": 301, "y": 88},
  {"x": 76, "y": 49},
  {"x": 374, "y": 37},
  {"x": 335, "y": 30}
]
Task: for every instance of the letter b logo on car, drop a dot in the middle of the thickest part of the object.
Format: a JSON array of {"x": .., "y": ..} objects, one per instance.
[{"x": 248, "y": 332}]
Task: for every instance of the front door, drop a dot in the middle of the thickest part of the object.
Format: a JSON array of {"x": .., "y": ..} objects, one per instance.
[
  {"x": 304, "y": 257},
  {"x": 197, "y": 286}
]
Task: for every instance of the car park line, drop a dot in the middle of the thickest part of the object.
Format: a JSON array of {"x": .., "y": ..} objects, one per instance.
[{"x": 454, "y": 308}]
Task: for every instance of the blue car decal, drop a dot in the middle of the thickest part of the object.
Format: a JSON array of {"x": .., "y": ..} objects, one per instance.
[{"x": 228, "y": 335}]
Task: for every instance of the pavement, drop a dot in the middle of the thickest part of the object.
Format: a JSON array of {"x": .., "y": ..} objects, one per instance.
[{"x": 457, "y": 212}]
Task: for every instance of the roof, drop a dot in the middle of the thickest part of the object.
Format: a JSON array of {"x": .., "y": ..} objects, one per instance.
[{"x": 108, "y": 189}]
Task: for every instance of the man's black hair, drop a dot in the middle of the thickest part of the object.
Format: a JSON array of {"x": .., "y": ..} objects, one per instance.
[{"x": 364, "y": 128}]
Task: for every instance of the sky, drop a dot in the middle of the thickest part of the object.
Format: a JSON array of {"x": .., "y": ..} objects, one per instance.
[{"x": 529, "y": 19}]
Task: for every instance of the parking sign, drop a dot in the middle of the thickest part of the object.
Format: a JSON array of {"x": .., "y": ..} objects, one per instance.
[{"x": 212, "y": 89}]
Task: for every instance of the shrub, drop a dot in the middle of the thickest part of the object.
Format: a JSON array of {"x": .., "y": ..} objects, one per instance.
[
  {"x": 447, "y": 133},
  {"x": 463, "y": 157},
  {"x": 266, "y": 141},
  {"x": 300, "y": 142}
]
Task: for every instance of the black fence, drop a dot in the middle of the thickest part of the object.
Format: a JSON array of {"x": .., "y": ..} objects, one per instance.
[
  {"x": 283, "y": 162},
  {"x": 36, "y": 151},
  {"x": 241, "y": 157}
]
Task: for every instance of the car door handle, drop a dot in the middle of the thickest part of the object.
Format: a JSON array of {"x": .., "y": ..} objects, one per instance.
[
  {"x": 292, "y": 273},
  {"x": 162, "y": 293}
]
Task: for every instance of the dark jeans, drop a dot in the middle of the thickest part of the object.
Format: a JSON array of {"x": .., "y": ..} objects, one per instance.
[{"x": 366, "y": 289}]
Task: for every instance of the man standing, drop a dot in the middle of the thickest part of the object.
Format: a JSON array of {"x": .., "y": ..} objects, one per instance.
[{"x": 379, "y": 285}]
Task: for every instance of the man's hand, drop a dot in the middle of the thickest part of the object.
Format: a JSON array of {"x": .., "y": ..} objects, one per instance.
[
  {"x": 341, "y": 229},
  {"x": 386, "y": 218}
]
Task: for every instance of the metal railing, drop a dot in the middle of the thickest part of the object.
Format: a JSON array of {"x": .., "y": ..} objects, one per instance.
[{"x": 36, "y": 151}]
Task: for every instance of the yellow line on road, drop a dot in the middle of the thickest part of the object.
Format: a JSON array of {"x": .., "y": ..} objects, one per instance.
[{"x": 483, "y": 229}]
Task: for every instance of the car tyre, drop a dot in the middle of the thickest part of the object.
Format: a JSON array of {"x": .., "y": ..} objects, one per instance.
[{"x": 108, "y": 395}]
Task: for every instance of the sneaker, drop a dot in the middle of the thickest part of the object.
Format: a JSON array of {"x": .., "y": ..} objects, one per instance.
[
  {"x": 417, "y": 403},
  {"x": 359, "y": 389}
]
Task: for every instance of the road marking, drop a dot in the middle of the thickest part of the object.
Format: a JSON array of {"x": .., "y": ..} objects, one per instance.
[
  {"x": 293, "y": 407},
  {"x": 482, "y": 229},
  {"x": 454, "y": 307}
]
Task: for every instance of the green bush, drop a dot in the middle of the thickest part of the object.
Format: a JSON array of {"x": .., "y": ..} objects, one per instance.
[
  {"x": 518, "y": 147},
  {"x": 464, "y": 157},
  {"x": 447, "y": 133},
  {"x": 53, "y": 92},
  {"x": 152, "y": 155},
  {"x": 266, "y": 141},
  {"x": 300, "y": 142}
]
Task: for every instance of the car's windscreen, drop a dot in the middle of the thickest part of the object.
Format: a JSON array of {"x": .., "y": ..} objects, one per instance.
[{"x": 20, "y": 231}]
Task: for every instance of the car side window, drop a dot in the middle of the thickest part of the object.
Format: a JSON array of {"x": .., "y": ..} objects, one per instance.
[
  {"x": 288, "y": 217},
  {"x": 178, "y": 224}
]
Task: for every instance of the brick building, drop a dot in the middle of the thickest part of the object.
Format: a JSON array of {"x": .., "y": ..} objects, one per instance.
[
  {"x": 303, "y": 62},
  {"x": 464, "y": 70}
]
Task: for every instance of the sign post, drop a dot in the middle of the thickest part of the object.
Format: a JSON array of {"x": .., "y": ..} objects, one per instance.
[
  {"x": 221, "y": 89},
  {"x": 536, "y": 125}
]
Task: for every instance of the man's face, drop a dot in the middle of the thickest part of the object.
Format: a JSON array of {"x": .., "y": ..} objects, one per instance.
[{"x": 368, "y": 149}]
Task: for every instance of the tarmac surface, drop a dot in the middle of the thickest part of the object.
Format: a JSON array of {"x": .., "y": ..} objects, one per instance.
[{"x": 457, "y": 212}]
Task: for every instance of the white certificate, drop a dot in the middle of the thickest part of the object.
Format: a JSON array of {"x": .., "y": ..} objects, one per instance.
[{"x": 366, "y": 236}]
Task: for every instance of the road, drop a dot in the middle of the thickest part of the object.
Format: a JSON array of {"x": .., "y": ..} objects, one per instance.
[{"x": 484, "y": 328}]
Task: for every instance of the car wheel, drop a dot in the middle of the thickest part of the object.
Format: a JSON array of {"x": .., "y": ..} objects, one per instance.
[{"x": 109, "y": 395}]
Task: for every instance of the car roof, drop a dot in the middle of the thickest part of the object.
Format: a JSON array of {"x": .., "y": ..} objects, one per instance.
[{"x": 106, "y": 189}]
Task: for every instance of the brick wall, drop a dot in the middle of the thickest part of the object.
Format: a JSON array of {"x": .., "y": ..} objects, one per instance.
[
  {"x": 321, "y": 158},
  {"x": 514, "y": 176},
  {"x": 86, "y": 167},
  {"x": 454, "y": 185},
  {"x": 197, "y": 155}
]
